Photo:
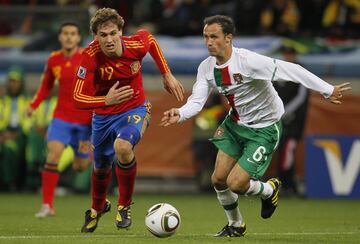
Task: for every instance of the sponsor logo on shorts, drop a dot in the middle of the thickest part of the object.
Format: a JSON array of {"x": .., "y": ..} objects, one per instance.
[{"x": 250, "y": 161}]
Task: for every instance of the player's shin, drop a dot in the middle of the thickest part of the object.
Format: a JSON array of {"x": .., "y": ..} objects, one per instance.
[
  {"x": 229, "y": 201},
  {"x": 125, "y": 174},
  {"x": 49, "y": 178},
  {"x": 100, "y": 183}
]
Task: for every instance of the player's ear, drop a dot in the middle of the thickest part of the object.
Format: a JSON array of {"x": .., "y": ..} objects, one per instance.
[{"x": 228, "y": 38}]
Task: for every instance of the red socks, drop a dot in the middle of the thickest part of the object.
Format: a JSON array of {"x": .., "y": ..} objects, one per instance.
[
  {"x": 99, "y": 189},
  {"x": 49, "y": 178},
  {"x": 125, "y": 174}
]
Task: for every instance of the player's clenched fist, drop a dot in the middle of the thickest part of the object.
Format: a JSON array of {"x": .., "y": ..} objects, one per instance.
[{"x": 118, "y": 95}]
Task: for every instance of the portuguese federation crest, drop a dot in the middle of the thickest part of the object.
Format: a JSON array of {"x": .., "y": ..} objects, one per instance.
[{"x": 237, "y": 78}]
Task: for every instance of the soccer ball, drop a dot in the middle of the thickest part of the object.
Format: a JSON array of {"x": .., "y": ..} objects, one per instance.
[{"x": 162, "y": 220}]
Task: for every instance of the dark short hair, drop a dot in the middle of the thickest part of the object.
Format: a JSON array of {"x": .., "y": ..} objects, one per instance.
[
  {"x": 68, "y": 23},
  {"x": 103, "y": 15},
  {"x": 226, "y": 23}
]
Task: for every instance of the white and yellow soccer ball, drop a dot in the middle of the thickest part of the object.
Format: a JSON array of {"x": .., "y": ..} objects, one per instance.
[{"x": 162, "y": 220}]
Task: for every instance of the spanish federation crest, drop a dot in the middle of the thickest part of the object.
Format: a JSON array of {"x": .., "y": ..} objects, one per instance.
[
  {"x": 135, "y": 66},
  {"x": 237, "y": 78}
]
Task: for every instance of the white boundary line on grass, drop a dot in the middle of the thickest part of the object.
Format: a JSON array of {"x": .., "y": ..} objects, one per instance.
[{"x": 199, "y": 235}]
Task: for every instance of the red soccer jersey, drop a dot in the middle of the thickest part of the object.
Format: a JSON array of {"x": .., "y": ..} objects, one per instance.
[
  {"x": 98, "y": 73},
  {"x": 63, "y": 69}
]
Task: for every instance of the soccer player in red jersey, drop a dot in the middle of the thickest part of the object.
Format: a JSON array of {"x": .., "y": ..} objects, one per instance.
[
  {"x": 109, "y": 80},
  {"x": 70, "y": 125}
]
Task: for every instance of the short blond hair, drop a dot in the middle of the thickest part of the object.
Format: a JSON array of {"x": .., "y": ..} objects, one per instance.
[{"x": 103, "y": 15}]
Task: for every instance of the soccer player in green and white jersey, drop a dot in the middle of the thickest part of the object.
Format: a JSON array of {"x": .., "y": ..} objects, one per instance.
[{"x": 250, "y": 133}]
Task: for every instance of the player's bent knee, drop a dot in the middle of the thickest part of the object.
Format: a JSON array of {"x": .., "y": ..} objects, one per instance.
[
  {"x": 53, "y": 157},
  {"x": 55, "y": 150},
  {"x": 102, "y": 161},
  {"x": 102, "y": 171},
  {"x": 80, "y": 164},
  {"x": 236, "y": 186},
  {"x": 123, "y": 149},
  {"x": 218, "y": 182},
  {"x": 122, "y": 146}
]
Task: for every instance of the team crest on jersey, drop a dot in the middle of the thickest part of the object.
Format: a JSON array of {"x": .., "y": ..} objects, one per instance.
[
  {"x": 135, "y": 66},
  {"x": 237, "y": 78},
  {"x": 81, "y": 72},
  {"x": 219, "y": 132}
]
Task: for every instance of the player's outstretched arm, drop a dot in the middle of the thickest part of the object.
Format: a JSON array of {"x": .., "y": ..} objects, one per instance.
[
  {"x": 173, "y": 86},
  {"x": 337, "y": 93},
  {"x": 118, "y": 95},
  {"x": 170, "y": 117}
]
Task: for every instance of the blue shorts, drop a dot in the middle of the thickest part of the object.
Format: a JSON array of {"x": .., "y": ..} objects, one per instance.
[
  {"x": 128, "y": 126},
  {"x": 75, "y": 135}
]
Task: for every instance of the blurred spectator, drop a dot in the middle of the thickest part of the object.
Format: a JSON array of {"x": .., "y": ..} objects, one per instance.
[
  {"x": 334, "y": 17},
  {"x": 280, "y": 17},
  {"x": 311, "y": 23},
  {"x": 36, "y": 146},
  {"x": 14, "y": 127},
  {"x": 147, "y": 14},
  {"x": 295, "y": 98},
  {"x": 354, "y": 18},
  {"x": 204, "y": 151},
  {"x": 342, "y": 18},
  {"x": 222, "y": 7},
  {"x": 5, "y": 27},
  {"x": 125, "y": 8},
  {"x": 186, "y": 19},
  {"x": 248, "y": 20}
]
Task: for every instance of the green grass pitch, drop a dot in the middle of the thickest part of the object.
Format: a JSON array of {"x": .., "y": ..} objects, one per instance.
[{"x": 295, "y": 221}]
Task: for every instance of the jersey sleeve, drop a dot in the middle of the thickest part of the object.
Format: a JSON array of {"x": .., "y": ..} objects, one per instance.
[
  {"x": 84, "y": 89},
  {"x": 153, "y": 47},
  {"x": 286, "y": 71},
  {"x": 259, "y": 67},
  {"x": 200, "y": 93},
  {"x": 46, "y": 85},
  {"x": 265, "y": 68}
]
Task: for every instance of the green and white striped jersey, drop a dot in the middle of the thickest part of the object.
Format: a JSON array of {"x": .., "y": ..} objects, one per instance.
[{"x": 246, "y": 81}]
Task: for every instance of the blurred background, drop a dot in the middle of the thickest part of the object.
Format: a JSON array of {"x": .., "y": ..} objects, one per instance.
[{"x": 323, "y": 34}]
